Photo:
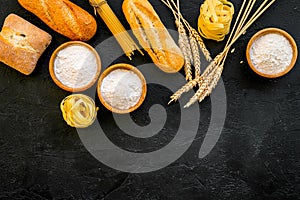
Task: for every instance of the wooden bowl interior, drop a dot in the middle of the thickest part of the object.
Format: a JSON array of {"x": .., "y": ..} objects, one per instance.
[
  {"x": 126, "y": 67},
  {"x": 55, "y": 79},
  {"x": 268, "y": 31}
]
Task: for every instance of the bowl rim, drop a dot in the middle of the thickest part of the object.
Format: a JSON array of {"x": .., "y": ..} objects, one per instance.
[
  {"x": 129, "y": 68},
  {"x": 56, "y": 80},
  {"x": 267, "y": 31}
]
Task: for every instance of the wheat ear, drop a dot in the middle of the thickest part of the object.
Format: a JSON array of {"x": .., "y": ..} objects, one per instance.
[
  {"x": 207, "y": 86},
  {"x": 184, "y": 45},
  {"x": 187, "y": 87},
  {"x": 202, "y": 89},
  {"x": 212, "y": 65},
  {"x": 196, "y": 56},
  {"x": 187, "y": 62},
  {"x": 209, "y": 79},
  {"x": 183, "y": 34},
  {"x": 203, "y": 48},
  {"x": 216, "y": 77}
]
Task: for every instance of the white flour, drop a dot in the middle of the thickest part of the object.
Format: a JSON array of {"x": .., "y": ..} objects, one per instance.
[
  {"x": 271, "y": 53},
  {"x": 121, "y": 89},
  {"x": 75, "y": 66}
]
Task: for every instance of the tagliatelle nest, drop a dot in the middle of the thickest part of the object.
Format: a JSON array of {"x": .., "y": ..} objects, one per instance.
[
  {"x": 79, "y": 110},
  {"x": 215, "y": 19}
]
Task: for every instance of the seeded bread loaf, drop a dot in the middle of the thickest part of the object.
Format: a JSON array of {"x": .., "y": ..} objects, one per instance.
[
  {"x": 64, "y": 17},
  {"x": 22, "y": 44},
  {"x": 152, "y": 35}
]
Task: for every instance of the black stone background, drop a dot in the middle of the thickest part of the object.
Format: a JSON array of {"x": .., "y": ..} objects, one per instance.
[{"x": 256, "y": 157}]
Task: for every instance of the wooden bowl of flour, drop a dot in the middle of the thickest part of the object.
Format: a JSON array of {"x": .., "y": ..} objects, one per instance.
[
  {"x": 75, "y": 66},
  {"x": 122, "y": 88},
  {"x": 271, "y": 53}
]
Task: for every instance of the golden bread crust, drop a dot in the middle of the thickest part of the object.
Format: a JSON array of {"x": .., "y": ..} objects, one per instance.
[
  {"x": 64, "y": 17},
  {"x": 152, "y": 35},
  {"x": 22, "y": 44}
]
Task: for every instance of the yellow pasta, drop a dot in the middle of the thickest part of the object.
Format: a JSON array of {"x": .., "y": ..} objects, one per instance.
[
  {"x": 78, "y": 110},
  {"x": 115, "y": 26},
  {"x": 215, "y": 19}
]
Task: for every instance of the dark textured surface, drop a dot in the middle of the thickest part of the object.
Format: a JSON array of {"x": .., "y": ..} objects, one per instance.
[{"x": 257, "y": 156}]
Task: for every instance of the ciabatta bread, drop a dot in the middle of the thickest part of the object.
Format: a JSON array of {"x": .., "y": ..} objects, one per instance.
[
  {"x": 152, "y": 35},
  {"x": 22, "y": 44},
  {"x": 64, "y": 17}
]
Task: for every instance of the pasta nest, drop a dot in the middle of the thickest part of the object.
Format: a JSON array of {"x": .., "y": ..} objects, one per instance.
[
  {"x": 215, "y": 19},
  {"x": 79, "y": 110}
]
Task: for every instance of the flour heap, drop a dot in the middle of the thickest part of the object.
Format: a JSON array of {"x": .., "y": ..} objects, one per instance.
[
  {"x": 271, "y": 53},
  {"x": 75, "y": 66},
  {"x": 122, "y": 89}
]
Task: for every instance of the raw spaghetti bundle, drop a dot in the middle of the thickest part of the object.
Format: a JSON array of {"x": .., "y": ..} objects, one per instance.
[
  {"x": 115, "y": 26},
  {"x": 215, "y": 19},
  {"x": 78, "y": 110}
]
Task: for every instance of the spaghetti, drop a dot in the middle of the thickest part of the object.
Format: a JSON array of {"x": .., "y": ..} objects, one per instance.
[
  {"x": 215, "y": 19},
  {"x": 78, "y": 110},
  {"x": 115, "y": 26}
]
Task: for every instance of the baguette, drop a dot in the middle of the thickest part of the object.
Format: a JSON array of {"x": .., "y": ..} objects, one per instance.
[
  {"x": 64, "y": 17},
  {"x": 22, "y": 44},
  {"x": 152, "y": 35}
]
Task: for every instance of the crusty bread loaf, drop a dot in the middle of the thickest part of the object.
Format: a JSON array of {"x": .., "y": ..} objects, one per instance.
[
  {"x": 22, "y": 44},
  {"x": 152, "y": 35},
  {"x": 64, "y": 17}
]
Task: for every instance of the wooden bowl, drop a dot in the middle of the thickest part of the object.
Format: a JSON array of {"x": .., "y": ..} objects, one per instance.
[
  {"x": 126, "y": 67},
  {"x": 268, "y": 31},
  {"x": 57, "y": 81}
]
